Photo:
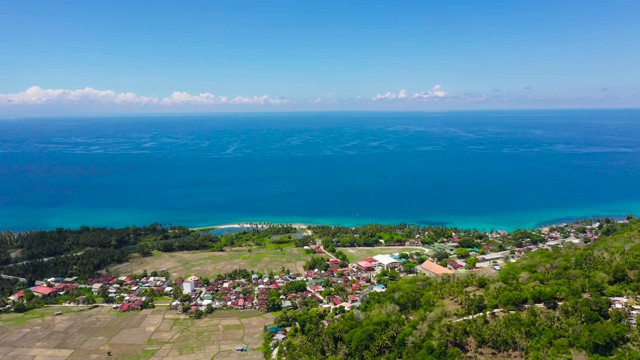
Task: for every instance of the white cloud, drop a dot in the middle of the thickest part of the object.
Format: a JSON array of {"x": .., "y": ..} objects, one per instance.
[
  {"x": 436, "y": 92},
  {"x": 387, "y": 96},
  {"x": 320, "y": 100},
  {"x": 36, "y": 95}
]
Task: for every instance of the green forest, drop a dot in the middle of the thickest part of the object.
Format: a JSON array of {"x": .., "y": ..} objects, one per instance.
[
  {"x": 35, "y": 255},
  {"x": 552, "y": 304}
]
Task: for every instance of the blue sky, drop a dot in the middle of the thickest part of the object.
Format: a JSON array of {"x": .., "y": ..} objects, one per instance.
[{"x": 312, "y": 55}]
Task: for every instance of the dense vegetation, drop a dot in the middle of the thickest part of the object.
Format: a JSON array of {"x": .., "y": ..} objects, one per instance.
[
  {"x": 82, "y": 265},
  {"x": 36, "y": 255},
  {"x": 205, "y": 240},
  {"x": 69, "y": 252},
  {"x": 42, "y": 244},
  {"x": 553, "y": 303},
  {"x": 381, "y": 235}
]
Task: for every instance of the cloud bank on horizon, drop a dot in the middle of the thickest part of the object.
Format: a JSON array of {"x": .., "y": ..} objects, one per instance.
[
  {"x": 38, "y": 101},
  {"x": 36, "y": 97}
]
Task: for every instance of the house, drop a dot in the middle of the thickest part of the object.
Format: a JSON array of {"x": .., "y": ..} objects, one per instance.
[
  {"x": 365, "y": 265},
  {"x": 387, "y": 261},
  {"x": 491, "y": 257},
  {"x": 42, "y": 290},
  {"x": 379, "y": 288},
  {"x": 95, "y": 288},
  {"x": 334, "y": 262},
  {"x": 432, "y": 269},
  {"x": 188, "y": 287},
  {"x": 17, "y": 296}
]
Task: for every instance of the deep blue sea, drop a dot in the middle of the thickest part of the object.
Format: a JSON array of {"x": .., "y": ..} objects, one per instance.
[{"x": 500, "y": 169}]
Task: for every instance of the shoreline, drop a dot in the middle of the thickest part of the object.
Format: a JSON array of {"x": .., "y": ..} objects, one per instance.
[{"x": 247, "y": 224}]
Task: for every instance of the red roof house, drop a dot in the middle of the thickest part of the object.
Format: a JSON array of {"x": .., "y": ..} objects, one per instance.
[
  {"x": 365, "y": 265},
  {"x": 42, "y": 290}
]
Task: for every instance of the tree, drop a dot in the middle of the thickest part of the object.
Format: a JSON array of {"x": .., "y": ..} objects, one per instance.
[
  {"x": 273, "y": 303},
  {"x": 198, "y": 314},
  {"x": 441, "y": 255},
  {"x": 409, "y": 267},
  {"x": 177, "y": 292},
  {"x": 29, "y": 295},
  {"x": 471, "y": 263},
  {"x": 462, "y": 253},
  {"x": 208, "y": 309},
  {"x": 316, "y": 263},
  {"x": 144, "y": 249}
]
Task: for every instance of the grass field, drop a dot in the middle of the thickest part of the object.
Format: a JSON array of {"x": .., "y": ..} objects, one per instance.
[
  {"x": 355, "y": 254},
  {"x": 205, "y": 263},
  {"x": 149, "y": 334}
]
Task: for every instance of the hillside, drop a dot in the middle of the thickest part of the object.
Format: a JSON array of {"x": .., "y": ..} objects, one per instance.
[{"x": 558, "y": 303}]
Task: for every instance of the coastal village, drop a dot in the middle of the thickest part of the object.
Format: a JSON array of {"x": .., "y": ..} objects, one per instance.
[{"x": 336, "y": 285}]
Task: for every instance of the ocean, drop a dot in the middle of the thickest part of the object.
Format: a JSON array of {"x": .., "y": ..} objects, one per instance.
[{"x": 482, "y": 169}]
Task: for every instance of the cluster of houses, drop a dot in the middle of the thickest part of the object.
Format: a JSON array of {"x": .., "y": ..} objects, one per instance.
[
  {"x": 377, "y": 262},
  {"x": 49, "y": 287},
  {"x": 243, "y": 294},
  {"x": 630, "y": 306},
  {"x": 394, "y": 261},
  {"x": 125, "y": 291},
  {"x": 238, "y": 294},
  {"x": 129, "y": 290},
  {"x": 486, "y": 256}
]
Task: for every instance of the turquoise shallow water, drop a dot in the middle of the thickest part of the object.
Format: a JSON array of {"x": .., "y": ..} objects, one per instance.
[{"x": 502, "y": 169}]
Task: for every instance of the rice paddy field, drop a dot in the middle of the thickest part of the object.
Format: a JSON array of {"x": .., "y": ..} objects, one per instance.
[{"x": 103, "y": 333}]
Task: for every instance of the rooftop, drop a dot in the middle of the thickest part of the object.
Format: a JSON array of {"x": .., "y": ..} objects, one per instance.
[
  {"x": 385, "y": 259},
  {"x": 435, "y": 268}
]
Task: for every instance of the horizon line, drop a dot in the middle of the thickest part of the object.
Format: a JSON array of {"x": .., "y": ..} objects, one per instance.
[{"x": 284, "y": 111}]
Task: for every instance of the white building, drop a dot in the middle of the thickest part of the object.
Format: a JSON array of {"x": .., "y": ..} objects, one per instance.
[
  {"x": 387, "y": 261},
  {"x": 188, "y": 287}
]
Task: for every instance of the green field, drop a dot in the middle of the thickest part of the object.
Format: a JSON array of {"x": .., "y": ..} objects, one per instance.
[
  {"x": 152, "y": 333},
  {"x": 206, "y": 263}
]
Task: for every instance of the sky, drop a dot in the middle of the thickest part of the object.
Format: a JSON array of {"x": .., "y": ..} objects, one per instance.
[{"x": 198, "y": 56}]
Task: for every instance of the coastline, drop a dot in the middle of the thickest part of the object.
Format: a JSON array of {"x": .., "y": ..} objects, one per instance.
[{"x": 247, "y": 224}]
